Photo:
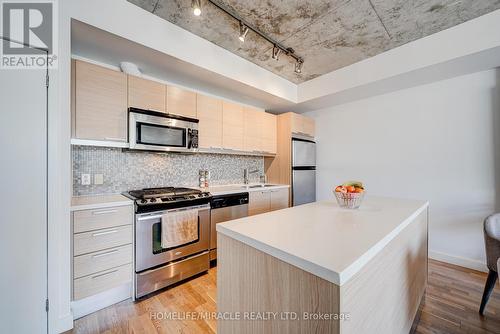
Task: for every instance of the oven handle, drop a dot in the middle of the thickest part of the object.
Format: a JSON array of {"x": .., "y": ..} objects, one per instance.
[{"x": 156, "y": 216}]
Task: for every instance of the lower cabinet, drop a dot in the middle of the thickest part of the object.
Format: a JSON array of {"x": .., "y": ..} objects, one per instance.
[
  {"x": 279, "y": 199},
  {"x": 102, "y": 250},
  {"x": 267, "y": 200}
]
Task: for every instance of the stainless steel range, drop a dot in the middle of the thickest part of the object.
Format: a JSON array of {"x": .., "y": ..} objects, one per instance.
[{"x": 158, "y": 266}]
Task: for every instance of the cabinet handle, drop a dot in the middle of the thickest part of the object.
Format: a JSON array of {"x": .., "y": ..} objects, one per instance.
[
  {"x": 104, "y": 274},
  {"x": 105, "y": 254},
  {"x": 103, "y": 212},
  {"x": 104, "y": 233}
]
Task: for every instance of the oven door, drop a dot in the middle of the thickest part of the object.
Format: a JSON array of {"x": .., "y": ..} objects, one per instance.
[
  {"x": 152, "y": 132},
  {"x": 148, "y": 250}
]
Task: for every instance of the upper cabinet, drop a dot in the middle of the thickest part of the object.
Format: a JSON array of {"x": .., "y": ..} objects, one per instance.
[
  {"x": 259, "y": 131},
  {"x": 209, "y": 112},
  {"x": 302, "y": 125},
  {"x": 181, "y": 102},
  {"x": 101, "y": 97},
  {"x": 252, "y": 131},
  {"x": 269, "y": 133},
  {"x": 146, "y": 94},
  {"x": 233, "y": 120},
  {"x": 99, "y": 103}
]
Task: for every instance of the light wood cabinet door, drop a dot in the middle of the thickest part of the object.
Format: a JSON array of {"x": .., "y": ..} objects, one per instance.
[
  {"x": 253, "y": 129},
  {"x": 279, "y": 199},
  {"x": 146, "y": 94},
  {"x": 269, "y": 133},
  {"x": 100, "y": 106},
  {"x": 181, "y": 102},
  {"x": 309, "y": 126},
  {"x": 259, "y": 202},
  {"x": 297, "y": 123},
  {"x": 209, "y": 112},
  {"x": 232, "y": 126},
  {"x": 302, "y": 125}
]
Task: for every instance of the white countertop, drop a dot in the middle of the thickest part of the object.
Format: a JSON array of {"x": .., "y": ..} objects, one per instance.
[
  {"x": 324, "y": 239},
  {"x": 240, "y": 188},
  {"x": 98, "y": 202}
]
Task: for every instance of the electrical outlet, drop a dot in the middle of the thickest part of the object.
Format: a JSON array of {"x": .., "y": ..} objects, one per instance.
[
  {"x": 98, "y": 179},
  {"x": 85, "y": 179}
]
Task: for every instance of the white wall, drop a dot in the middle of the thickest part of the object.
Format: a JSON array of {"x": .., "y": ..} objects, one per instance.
[{"x": 439, "y": 142}]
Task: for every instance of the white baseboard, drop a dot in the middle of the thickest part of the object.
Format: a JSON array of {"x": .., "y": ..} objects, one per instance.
[
  {"x": 459, "y": 261},
  {"x": 102, "y": 300}
]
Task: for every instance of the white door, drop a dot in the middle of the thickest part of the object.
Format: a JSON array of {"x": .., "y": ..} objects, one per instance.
[{"x": 23, "y": 208}]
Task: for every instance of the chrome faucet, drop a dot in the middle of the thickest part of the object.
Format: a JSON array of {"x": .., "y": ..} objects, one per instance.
[{"x": 247, "y": 173}]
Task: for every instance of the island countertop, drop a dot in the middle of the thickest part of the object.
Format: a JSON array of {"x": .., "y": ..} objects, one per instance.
[{"x": 324, "y": 239}]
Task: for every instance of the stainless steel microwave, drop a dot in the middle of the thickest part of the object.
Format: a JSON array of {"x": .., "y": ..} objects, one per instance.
[{"x": 157, "y": 131}]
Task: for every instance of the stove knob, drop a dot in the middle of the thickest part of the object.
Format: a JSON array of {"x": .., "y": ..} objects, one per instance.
[
  {"x": 143, "y": 201},
  {"x": 152, "y": 200}
]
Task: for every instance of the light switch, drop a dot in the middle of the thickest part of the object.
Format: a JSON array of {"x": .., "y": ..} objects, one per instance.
[
  {"x": 86, "y": 179},
  {"x": 98, "y": 179}
]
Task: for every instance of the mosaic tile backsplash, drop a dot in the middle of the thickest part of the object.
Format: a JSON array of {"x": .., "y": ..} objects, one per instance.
[{"x": 128, "y": 170}]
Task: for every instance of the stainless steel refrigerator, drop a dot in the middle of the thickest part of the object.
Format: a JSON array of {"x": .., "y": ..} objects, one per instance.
[{"x": 303, "y": 171}]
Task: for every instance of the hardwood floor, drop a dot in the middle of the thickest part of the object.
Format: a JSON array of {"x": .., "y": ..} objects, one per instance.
[{"x": 451, "y": 306}]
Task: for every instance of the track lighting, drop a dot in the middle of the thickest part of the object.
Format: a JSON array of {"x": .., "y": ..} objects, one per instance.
[
  {"x": 276, "y": 52},
  {"x": 196, "y": 5},
  {"x": 298, "y": 66},
  {"x": 243, "y": 31},
  {"x": 278, "y": 48}
]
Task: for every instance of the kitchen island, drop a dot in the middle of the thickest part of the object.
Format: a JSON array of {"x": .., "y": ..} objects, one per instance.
[{"x": 318, "y": 268}]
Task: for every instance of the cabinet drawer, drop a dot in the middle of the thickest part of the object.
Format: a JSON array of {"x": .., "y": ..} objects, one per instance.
[
  {"x": 89, "y": 220},
  {"x": 99, "y": 261},
  {"x": 101, "y": 281},
  {"x": 102, "y": 239}
]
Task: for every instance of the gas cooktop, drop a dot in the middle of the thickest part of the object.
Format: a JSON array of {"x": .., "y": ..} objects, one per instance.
[{"x": 155, "y": 199}]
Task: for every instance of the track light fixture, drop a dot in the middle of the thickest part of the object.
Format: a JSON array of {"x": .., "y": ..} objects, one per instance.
[
  {"x": 278, "y": 48},
  {"x": 243, "y": 31},
  {"x": 196, "y": 5},
  {"x": 298, "y": 66},
  {"x": 276, "y": 52}
]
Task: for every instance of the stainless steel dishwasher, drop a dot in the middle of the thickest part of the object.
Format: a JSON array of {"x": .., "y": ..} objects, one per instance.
[{"x": 225, "y": 208}]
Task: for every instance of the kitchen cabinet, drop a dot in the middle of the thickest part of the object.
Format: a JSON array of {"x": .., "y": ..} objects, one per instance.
[
  {"x": 259, "y": 202},
  {"x": 209, "y": 112},
  {"x": 269, "y": 133},
  {"x": 279, "y": 199},
  {"x": 181, "y": 102},
  {"x": 253, "y": 129},
  {"x": 102, "y": 249},
  {"x": 101, "y": 97},
  {"x": 146, "y": 94},
  {"x": 263, "y": 201},
  {"x": 302, "y": 125},
  {"x": 233, "y": 126},
  {"x": 278, "y": 168},
  {"x": 99, "y": 105}
]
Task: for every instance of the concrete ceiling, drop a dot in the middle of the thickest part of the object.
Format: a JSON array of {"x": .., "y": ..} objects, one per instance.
[{"x": 328, "y": 34}]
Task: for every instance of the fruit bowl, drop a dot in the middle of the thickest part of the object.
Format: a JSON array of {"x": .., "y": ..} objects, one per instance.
[
  {"x": 350, "y": 194},
  {"x": 349, "y": 200}
]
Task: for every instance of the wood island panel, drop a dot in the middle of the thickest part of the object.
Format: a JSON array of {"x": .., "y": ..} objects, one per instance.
[
  {"x": 384, "y": 296},
  {"x": 249, "y": 280}
]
